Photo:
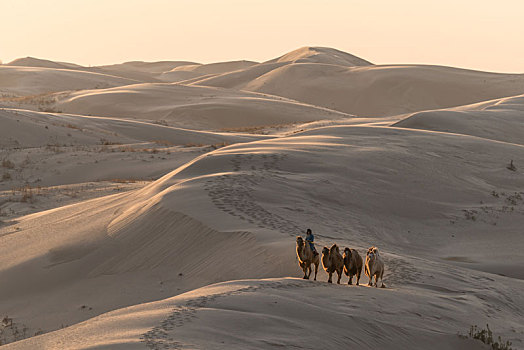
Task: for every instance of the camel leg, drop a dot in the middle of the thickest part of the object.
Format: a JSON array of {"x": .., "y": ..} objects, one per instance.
[
  {"x": 358, "y": 277},
  {"x": 316, "y": 270},
  {"x": 329, "y": 280},
  {"x": 339, "y": 276},
  {"x": 382, "y": 280},
  {"x": 307, "y": 272},
  {"x": 350, "y": 281},
  {"x": 304, "y": 269}
]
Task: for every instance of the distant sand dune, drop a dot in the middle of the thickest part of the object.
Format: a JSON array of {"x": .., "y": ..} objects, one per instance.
[
  {"x": 501, "y": 120},
  {"x": 192, "y": 106},
  {"x": 193, "y": 71},
  {"x": 35, "y": 80},
  {"x": 374, "y": 90}
]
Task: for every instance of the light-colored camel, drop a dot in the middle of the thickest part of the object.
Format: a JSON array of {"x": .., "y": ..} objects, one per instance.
[
  {"x": 332, "y": 262},
  {"x": 374, "y": 267},
  {"x": 352, "y": 264},
  {"x": 306, "y": 258}
]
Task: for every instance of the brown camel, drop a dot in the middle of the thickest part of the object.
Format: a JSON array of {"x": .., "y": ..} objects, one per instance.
[
  {"x": 332, "y": 262},
  {"x": 306, "y": 258},
  {"x": 352, "y": 264}
]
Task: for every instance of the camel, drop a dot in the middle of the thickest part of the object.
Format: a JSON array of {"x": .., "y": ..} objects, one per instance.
[
  {"x": 306, "y": 258},
  {"x": 352, "y": 264},
  {"x": 332, "y": 262},
  {"x": 374, "y": 267}
]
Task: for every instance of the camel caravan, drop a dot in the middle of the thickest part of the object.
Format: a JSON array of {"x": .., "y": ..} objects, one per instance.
[{"x": 333, "y": 262}]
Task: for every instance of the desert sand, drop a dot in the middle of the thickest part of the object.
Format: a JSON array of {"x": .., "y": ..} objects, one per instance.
[{"x": 155, "y": 205}]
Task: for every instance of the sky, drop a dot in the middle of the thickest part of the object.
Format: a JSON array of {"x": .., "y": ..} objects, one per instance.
[{"x": 482, "y": 35}]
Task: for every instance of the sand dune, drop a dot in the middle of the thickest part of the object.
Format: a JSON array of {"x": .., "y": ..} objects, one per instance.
[
  {"x": 138, "y": 71},
  {"x": 22, "y": 81},
  {"x": 374, "y": 90},
  {"x": 198, "y": 70},
  {"x": 40, "y": 147},
  {"x": 147, "y": 72},
  {"x": 323, "y": 55},
  {"x": 410, "y": 192},
  {"x": 23, "y": 128},
  {"x": 264, "y": 314},
  {"x": 147, "y": 67},
  {"x": 192, "y": 106},
  {"x": 500, "y": 119},
  {"x": 37, "y": 62}
]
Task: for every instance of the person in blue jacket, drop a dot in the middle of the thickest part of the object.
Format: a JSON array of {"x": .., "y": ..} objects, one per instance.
[{"x": 310, "y": 239}]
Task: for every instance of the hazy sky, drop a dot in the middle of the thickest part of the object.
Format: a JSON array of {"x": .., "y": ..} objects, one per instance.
[{"x": 485, "y": 35}]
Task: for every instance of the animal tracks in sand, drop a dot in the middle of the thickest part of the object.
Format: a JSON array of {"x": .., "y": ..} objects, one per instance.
[
  {"x": 234, "y": 194},
  {"x": 163, "y": 335}
]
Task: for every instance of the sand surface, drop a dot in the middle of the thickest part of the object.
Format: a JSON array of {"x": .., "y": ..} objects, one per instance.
[{"x": 156, "y": 215}]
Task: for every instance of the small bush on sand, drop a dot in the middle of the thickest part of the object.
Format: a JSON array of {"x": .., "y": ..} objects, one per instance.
[
  {"x": 486, "y": 336},
  {"x": 6, "y": 163}
]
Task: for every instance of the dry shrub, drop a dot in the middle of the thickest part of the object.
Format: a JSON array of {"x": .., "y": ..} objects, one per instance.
[
  {"x": 6, "y": 163},
  {"x": 163, "y": 142}
]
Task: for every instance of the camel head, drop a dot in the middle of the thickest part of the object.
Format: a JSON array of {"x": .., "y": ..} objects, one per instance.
[
  {"x": 300, "y": 241},
  {"x": 347, "y": 253},
  {"x": 372, "y": 252},
  {"x": 325, "y": 251}
]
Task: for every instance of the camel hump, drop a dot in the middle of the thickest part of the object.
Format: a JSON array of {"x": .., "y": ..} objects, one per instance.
[{"x": 333, "y": 248}]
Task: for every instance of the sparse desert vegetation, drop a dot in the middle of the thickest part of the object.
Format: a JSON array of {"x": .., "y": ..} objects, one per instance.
[{"x": 485, "y": 335}]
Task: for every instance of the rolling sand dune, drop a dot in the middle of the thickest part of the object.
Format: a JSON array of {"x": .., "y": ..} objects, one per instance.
[
  {"x": 501, "y": 119},
  {"x": 38, "y": 148},
  {"x": 192, "y": 106},
  {"x": 121, "y": 231},
  {"x": 147, "y": 67},
  {"x": 23, "y": 128},
  {"x": 49, "y": 160},
  {"x": 147, "y": 72},
  {"x": 37, "y": 62},
  {"x": 412, "y": 193},
  {"x": 324, "y": 55},
  {"x": 198, "y": 70},
  {"x": 286, "y": 313},
  {"x": 375, "y": 90},
  {"x": 135, "y": 70},
  {"x": 237, "y": 79},
  {"x": 23, "y": 81}
]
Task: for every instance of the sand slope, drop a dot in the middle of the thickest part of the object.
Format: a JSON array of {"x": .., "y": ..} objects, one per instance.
[
  {"x": 376, "y": 90},
  {"x": 24, "y": 128},
  {"x": 192, "y": 106},
  {"x": 24, "y": 81},
  {"x": 324, "y": 55},
  {"x": 198, "y": 70},
  {"x": 37, "y": 62},
  {"x": 142, "y": 71},
  {"x": 264, "y": 314},
  {"x": 45, "y": 149},
  {"x": 500, "y": 119},
  {"x": 410, "y": 192}
]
